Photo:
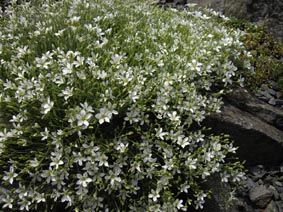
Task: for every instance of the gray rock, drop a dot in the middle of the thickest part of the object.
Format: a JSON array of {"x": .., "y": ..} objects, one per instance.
[
  {"x": 274, "y": 173},
  {"x": 275, "y": 192},
  {"x": 279, "y": 95},
  {"x": 258, "y": 141},
  {"x": 280, "y": 190},
  {"x": 272, "y": 101},
  {"x": 269, "y": 179},
  {"x": 262, "y": 12},
  {"x": 279, "y": 184},
  {"x": 271, "y": 92},
  {"x": 274, "y": 86},
  {"x": 257, "y": 172},
  {"x": 272, "y": 207},
  {"x": 279, "y": 205},
  {"x": 248, "y": 102},
  {"x": 263, "y": 98},
  {"x": 278, "y": 102},
  {"x": 260, "y": 182},
  {"x": 249, "y": 183},
  {"x": 260, "y": 196}
]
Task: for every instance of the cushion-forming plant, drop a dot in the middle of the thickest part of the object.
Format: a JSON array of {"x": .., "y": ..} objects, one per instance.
[{"x": 102, "y": 104}]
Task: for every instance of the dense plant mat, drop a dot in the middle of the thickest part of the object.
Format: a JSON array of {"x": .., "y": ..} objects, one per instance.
[{"x": 102, "y": 104}]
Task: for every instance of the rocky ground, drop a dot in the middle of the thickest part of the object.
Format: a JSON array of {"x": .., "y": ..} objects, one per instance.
[
  {"x": 263, "y": 190},
  {"x": 268, "y": 13},
  {"x": 270, "y": 94}
]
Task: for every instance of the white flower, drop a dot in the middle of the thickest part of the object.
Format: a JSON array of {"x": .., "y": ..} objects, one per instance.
[
  {"x": 205, "y": 173},
  {"x": 68, "y": 69},
  {"x": 58, "y": 79},
  {"x": 116, "y": 59},
  {"x": 191, "y": 163},
  {"x": 81, "y": 75},
  {"x": 19, "y": 118},
  {"x": 216, "y": 147},
  {"x": 132, "y": 116},
  {"x": 100, "y": 74},
  {"x": 102, "y": 159},
  {"x": 185, "y": 187},
  {"x": 134, "y": 95},
  {"x": 195, "y": 66},
  {"x": 47, "y": 106},
  {"x": 238, "y": 177},
  {"x": 183, "y": 141},
  {"x": 113, "y": 177},
  {"x": 56, "y": 161},
  {"x": 160, "y": 134},
  {"x": 86, "y": 107},
  {"x": 83, "y": 180},
  {"x": 174, "y": 117},
  {"x": 22, "y": 51},
  {"x": 9, "y": 176},
  {"x": 111, "y": 107},
  {"x": 79, "y": 62},
  {"x": 200, "y": 200},
  {"x": 179, "y": 204},
  {"x": 4, "y": 135},
  {"x": 67, "y": 93},
  {"x": 104, "y": 115},
  {"x": 45, "y": 134},
  {"x": 83, "y": 118},
  {"x": 40, "y": 197},
  {"x": 8, "y": 202},
  {"x": 169, "y": 165},
  {"x": 24, "y": 204},
  {"x": 48, "y": 174},
  {"x": 75, "y": 19},
  {"x": 121, "y": 147},
  {"x": 225, "y": 177},
  {"x": 67, "y": 197},
  {"x": 59, "y": 33},
  {"x": 208, "y": 156},
  {"x": 154, "y": 195},
  {"x": 34, "y": 162}
]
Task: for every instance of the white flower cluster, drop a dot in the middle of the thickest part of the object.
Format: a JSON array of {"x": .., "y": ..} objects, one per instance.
[{"x": 98, "y": 100}]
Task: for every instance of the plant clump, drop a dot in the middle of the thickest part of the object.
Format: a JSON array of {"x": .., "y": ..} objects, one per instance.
[
  {"x": 102, "y": 104},
  {"x": 266, "y": 55}
]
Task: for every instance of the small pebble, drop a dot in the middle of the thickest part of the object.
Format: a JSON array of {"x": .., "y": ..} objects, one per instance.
[
  {"x": 272, "y": 101},
  {"x": 277, "y": 183}
]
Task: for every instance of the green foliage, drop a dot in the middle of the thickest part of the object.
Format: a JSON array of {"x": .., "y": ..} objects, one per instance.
[
  {"x": 102, "y": 103},
  {"x": 267, "y": 55}
]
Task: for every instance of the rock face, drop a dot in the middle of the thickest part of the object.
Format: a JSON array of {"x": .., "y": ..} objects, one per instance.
[
  {"x": 254, "y": 125},
  {"x": 263, "y": 12},
  {"x": 228, "y": 7},
  {"x": 258, "y": 142},
  {"x": 268, "y": 13}
]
